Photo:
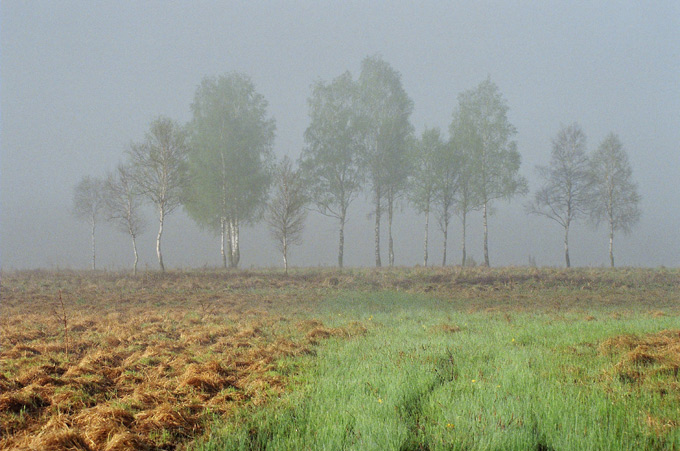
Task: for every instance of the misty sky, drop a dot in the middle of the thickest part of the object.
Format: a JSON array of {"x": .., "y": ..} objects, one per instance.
[{"x": 80, "y": 81}]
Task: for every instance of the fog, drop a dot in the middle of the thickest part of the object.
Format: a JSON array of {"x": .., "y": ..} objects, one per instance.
[{"x": 82, "y": 80}]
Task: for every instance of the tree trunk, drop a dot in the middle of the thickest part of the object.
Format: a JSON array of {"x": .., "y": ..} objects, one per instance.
[
  {"x": 223, "y": 239},
  {"x": 486, "y": 238},
  {"x": 427, "y": 232},
  {"x": 446, "y": 238},
  {"x": 566, "y": 245},
  {"x": 94, "y": 253},
  {"x": 235, "y": 253},
  {"x": 611, "y": 243},
  {"x": 341, "y": 244},
  {"x": 378, "y": 263},
  {"x": 161, "y": 217},
  {"x": 390, "y": 214},
  {"x": 463, "y": 240},
  {"x": 285, "y": 254},
  {"x": 134, "y": 249}
]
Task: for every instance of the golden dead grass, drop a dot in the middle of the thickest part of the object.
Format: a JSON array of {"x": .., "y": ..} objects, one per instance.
[
  {"x": 150, "y": 360},
  {"x": 650, "y": 362}
]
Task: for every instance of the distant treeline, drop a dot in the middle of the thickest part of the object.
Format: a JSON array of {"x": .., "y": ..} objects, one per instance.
[{"x": 221, "y": 167}]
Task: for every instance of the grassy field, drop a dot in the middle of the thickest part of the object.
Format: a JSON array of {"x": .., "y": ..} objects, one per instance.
[{"x": 513, "y": 358}]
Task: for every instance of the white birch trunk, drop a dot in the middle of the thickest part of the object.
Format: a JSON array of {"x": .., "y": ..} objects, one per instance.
[
  {"x": 134, "y": 249},
  {"x": 464, "y": 218},
  {"x": 223, "y": 239},
  {"x": 486, "y": 237},
  {"x": 427, "y": 231},
  {"x": 161, "y": 218},
  {"x": 94, "y": 252},
  {"x": 285, "y": 254},
  {"x": 446, "y": 237},
  {"x": 566, "y": 245},
  {"x": 378, "y": 263},
  {"x": 611, "y": 243},
  {"x": 341, "y": 244},
  {"x": 390, "y": 215},
  {"x": 234, "y": 244}
]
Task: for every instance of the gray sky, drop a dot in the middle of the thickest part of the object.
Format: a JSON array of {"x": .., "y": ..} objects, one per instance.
[{"x": 79, "y": 81}]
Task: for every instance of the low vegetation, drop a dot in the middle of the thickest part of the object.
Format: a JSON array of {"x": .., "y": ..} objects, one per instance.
[{"x": 360, "y": 359}]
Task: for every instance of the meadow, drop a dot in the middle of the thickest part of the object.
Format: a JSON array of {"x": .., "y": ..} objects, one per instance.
[{"x": 404, "y": 358}]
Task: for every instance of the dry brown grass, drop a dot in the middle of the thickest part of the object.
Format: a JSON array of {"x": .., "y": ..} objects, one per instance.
[
  {"x": 149, "y": 359},
  {"x": 650, "y": 362}
]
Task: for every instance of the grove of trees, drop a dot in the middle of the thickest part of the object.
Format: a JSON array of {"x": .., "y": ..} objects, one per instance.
[{"x": 221, "y": 168}]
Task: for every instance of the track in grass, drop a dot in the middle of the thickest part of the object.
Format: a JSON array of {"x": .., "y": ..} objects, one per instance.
[{"x": 428, "y": 376}]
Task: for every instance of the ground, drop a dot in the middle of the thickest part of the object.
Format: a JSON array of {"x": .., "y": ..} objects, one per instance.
[{"x": 406, "y": 358}]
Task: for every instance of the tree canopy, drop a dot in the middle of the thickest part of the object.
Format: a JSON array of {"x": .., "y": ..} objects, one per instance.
[{"x": 231, "y": 156}]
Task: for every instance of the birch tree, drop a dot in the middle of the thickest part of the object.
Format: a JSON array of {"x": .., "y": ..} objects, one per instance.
[
  {"x": 385, "y": 109},
  {"x": 463, "y": 143},
  {"x": 615, "y": 198},
  {"x": 286, "y": 212},
  {"x": 230, "y": 160},
  {"x": 446, "y": 177},
  {"x": 159, "y": 170},
  {"x": 422, "y": 182},
  {"x": 123, "y": 203},
  {"x": 565, "y": 192},
  {"x": 333, "y": 145},
  {"x": 494, "y": 159},
  {"x": 88, "y": 204}
]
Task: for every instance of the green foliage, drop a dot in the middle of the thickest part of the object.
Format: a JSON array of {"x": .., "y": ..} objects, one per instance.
[
  {"x": 615, "y": 196},
  {"x": 482, "y": 118},
  {"x": 231, "y": 158},
  {"x": 385, "y": 111},
  {"x": 333, "y": 144},
  {"x": 231, "y": 151},
  {"x": 424, "y": 160}
]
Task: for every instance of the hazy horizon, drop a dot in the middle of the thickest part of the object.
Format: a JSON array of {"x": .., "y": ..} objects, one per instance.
[{"x": 80, "y": 81}]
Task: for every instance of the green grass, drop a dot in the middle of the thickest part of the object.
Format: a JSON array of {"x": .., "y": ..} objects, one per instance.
[{"x": 506, "y": 380}]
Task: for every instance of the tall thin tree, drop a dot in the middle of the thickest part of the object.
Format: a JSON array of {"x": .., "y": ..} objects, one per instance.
[
  {"x": 286, "y": 212},
  {"x": 615, "y": 198},
  {"x": 565, "y": 192},
  {"x": 333, "y": 145},
  {"x": 159, "y": 170},
  {"x": 385, "y": 109},
  {"x": 123, "y": 202},
  {"x": 446, "y": 176},
  {"x": 463, "y": 142},
  {"x": 422, "y": 182},
  {"x": 494, "y": 158},
  {"x": 88, "y": 204}
]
